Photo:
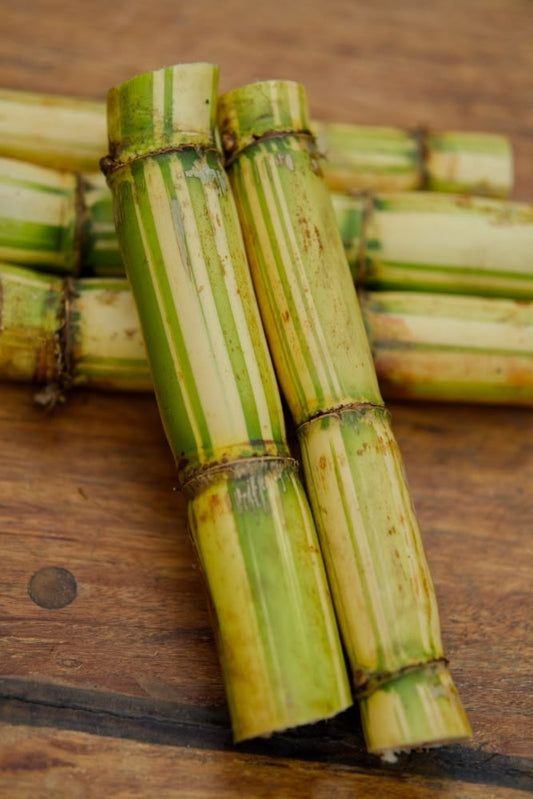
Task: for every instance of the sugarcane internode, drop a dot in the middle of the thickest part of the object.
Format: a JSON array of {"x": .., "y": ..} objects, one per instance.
[
  {"x": 216, "y": 389},
  {"x": 380, "y": 580}
]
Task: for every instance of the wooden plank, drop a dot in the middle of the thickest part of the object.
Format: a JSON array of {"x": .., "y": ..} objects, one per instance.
[
  {"x": 45, "y": 762},
  {"x": 120, "y": 688},
  {"x": 90, "y": 489}
]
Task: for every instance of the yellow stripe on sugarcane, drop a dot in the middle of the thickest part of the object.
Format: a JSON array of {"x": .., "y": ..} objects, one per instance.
[{"x": 380, "y": 579}]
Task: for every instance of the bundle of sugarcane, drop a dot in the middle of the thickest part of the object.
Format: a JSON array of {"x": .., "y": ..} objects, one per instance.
[
  {"x": 85, "y": 332},
  {"x": 216, "y": 390},
  {"x": 416, "y": 240},
  {"x": 69, "y": 133},
  {"x": 436, "y": 242},
  {"x": 369, "y": 533}
]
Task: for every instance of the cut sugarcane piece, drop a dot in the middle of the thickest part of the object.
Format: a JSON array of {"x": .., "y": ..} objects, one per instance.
[
  {"x": 52, "y": 130},
  {"x": 437, "y": 242},
  {"x": 363, "y": 158},
  {"x": 467, "y": 162},
  {"x": 70, "y": 133},
  {"x": 451, "y": 348},
  {"x": 56, "y": 221},
  {"x": 31, "y": 308},
  {"x": 69, "y": 333},
  {"x": 374, "y": 556},
  {"x": 216, "y": 389},
  {"x": 105, "y": 346}
]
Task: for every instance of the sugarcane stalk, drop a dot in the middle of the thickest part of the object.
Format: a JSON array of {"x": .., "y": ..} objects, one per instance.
[
  {"x": 384, "y": 159},
  {"x": 219, "y": 403},
  {"x": 381, "y": 584},
  {"x": 86, "y": 333},
  {"x": 437, "y": 242},
  {"x": 70, "y": 133}
]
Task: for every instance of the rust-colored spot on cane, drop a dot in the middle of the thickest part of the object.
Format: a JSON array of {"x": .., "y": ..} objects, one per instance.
[
  {"x": 52, "y": 587},
  {"x": 323, "y": 462}
]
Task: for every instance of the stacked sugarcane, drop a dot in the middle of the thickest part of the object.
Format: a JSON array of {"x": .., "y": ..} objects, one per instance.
[
  {"x": 210, "y": 367},
  {"x": 426, "y": 345}
]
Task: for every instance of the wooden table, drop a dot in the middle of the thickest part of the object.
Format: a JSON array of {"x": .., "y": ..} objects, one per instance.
[{"x": 118, "y": 693}]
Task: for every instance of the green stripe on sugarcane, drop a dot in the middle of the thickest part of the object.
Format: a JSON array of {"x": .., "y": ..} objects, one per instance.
[
  {"x": 437, "y": 242},
  {"x": 217, "y": 393},
  {"x": 378, "y": 573}
]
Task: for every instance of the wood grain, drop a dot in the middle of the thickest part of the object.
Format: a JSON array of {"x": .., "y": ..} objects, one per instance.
[{"x": 119, "y": 692}]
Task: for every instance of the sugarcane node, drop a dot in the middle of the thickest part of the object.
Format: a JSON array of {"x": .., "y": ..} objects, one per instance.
[
  {"x": 257, "y": 138},
  {"x": 366, "y": 683},
  {"x": 64, "y": 344},
  {"x": 108, "y": 164},
  {"x": 420, "y": 135},
  {"x": 350, "y": 407},
  {"x": 198, "y": 481}
]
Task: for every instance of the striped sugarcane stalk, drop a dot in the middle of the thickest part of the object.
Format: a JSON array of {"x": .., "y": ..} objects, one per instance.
[
  {"x": 383, "y": 159},
  {"x": 53, "y": 220},
  {"x": 70, "y": 133},
  {"x": 425, "y": 346},
  {"x": 56, "y": 221},
  {"x": 215, "y": 385},
  {"x": 380, "y": 579},
  {"x": 437, "y": 242}
]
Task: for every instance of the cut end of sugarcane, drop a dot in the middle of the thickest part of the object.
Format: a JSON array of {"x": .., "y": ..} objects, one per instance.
[
  {"x": 418, "y": 709},
  {"x": 255, "y": 733},
  {"x": 259, "y": 109},
  {"x": 162, "y": 110}
]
